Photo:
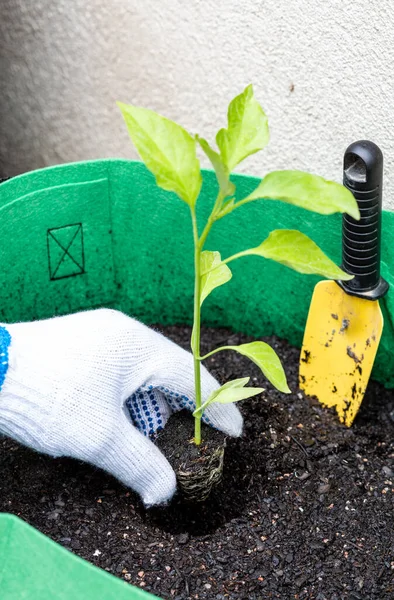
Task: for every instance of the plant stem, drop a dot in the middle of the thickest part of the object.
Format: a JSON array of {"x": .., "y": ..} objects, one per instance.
[
  {"x": 211, "y": 219},
  {"x": 215, "y": 351},
  {"x": 207, "y": 229},
  {"x": 229, "y": 259},
  {"x": 196, "y": 328},
  {"x": 244, "y": 201},
  {"x": 198, "y": 246}
]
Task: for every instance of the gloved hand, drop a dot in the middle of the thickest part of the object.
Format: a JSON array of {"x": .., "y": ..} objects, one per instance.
[{"x": 94, "y": 386}]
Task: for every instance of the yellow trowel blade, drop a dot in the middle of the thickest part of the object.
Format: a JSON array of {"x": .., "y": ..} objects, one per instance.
[{"x": 341, "y": 339}]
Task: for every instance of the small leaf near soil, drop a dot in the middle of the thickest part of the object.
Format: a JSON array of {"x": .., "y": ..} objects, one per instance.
[{"x": 232, "y": 391}]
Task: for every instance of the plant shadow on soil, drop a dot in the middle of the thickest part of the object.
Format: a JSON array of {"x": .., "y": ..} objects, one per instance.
[{"x": 304, "y": 510}]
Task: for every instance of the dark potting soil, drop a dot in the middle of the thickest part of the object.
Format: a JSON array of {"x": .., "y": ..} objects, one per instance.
[{"x": 305, "y": 508}]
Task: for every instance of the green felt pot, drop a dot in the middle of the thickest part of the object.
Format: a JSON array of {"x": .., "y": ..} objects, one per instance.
[
  {"x": 131, "y": 248},
  {"x": 33, "y": 567},
  {"x": 100, "y": 233}
]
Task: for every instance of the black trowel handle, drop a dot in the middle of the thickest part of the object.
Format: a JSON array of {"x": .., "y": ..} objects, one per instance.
[{"x": 363, "y": 176}]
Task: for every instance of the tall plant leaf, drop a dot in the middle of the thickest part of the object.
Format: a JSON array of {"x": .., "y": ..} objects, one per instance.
[
  {"x": 307, "y": 191},
  {"x": 227, "y": 188},
  {"x": 266, "y": 359},
  {"x": 247, "y": 129},
  {"x": 167, "y": 149},
  {"x": 297, "y": 251}
]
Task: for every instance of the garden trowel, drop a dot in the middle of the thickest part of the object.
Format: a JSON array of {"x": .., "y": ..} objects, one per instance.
[{"x": 345, "y": 322}]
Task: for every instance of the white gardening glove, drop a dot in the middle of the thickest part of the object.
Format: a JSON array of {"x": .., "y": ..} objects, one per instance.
[{"x": 94, "y": 386}]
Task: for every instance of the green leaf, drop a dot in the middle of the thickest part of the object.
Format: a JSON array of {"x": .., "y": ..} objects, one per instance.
[
  {"x": 167, "y": 149},
  {"x": 307, "y": 191},
  {"x": 247, "y": 129},
  {"x": 267, "y": 360},
  {"x": 227, "y": 188},
  {"x": 232, "y": 391},
  {"x": 297, "y": 251},
  {"x": 211, "y": 279}
]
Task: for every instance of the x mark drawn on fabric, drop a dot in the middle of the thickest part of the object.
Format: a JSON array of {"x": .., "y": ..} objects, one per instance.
[{"x": 67, "y": 251}]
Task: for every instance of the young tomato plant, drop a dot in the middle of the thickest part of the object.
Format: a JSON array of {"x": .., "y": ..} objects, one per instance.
[{"x": 170, "y": 153}]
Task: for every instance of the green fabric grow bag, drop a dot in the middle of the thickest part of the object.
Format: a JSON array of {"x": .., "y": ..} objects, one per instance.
[
  {"x": 100, "y": 233},
  {"x": 32, "y": 567}
]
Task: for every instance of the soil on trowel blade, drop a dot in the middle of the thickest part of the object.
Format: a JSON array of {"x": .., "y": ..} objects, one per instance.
[{"x": 305, "y": 509}]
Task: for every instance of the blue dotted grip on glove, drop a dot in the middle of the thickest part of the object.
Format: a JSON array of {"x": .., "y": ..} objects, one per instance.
[
  {"x": 144, "y": 408},
  {"x": 5, "y": 341}
]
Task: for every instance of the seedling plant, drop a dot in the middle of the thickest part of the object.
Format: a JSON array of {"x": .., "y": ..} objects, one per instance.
[{"x": 170, "y": 153}]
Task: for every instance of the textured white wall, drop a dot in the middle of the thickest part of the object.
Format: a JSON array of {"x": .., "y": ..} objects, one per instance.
[{"x": 64, "y": 63}]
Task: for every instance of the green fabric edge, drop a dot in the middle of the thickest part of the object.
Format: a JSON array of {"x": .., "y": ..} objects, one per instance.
[{"x": 33, "y": 567}]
